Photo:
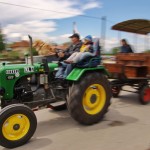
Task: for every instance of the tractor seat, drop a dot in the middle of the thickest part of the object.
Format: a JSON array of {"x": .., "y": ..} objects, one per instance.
[{"x": 92, "y": 61}]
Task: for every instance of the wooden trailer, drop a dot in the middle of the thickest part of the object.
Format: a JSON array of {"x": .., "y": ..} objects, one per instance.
[{"x": 131, "y": 69}]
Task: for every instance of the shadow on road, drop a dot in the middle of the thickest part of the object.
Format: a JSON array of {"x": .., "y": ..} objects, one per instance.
[{"x": 65, "y": 122}]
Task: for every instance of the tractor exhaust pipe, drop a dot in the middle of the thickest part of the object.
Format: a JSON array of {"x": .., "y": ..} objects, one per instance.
[{"x": 31, "y": 54}]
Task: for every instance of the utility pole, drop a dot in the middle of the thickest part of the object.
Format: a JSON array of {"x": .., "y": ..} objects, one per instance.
[
  {"x": 103, "y": 30},
  {"x": 75, "y": 30},
  {"x": 74, "y": 24},
  {"x": 119, "y": 37}
]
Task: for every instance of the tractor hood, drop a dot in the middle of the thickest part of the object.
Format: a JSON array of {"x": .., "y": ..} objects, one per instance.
[
  {"x": 10, "y": 74},
  {"x": 24, "y": 68}
]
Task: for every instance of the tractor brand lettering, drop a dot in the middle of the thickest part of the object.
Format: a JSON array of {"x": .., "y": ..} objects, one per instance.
[
  {"x": 10, "y": 77},
  {"x": 28, "y": 69},
  {"x": 41, "y": 70},
  {"x": 12, "y": 71}
]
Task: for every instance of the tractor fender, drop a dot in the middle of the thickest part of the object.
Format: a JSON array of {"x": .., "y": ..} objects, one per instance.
[{"x": 77, "y": 73}]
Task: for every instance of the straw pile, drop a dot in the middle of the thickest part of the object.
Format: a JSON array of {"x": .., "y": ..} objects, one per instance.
[{"x": 44, "y": 48}]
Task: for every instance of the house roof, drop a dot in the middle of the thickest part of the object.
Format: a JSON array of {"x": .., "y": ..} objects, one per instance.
[
  {"x": 139, "y": 26},
  {"x": 20, "y": 44}
]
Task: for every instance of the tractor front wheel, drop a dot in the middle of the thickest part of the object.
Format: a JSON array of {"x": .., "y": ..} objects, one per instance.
[
  {"x": 17, "y": 125},
  {"x": 89, "y": 98}
]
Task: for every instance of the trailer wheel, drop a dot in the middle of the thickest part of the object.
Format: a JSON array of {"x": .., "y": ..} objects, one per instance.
[
  {"x": 89, "y": 98},
  {"x": 144, "y": 95},
  {"x": 17, "y": 125},
  {"x": 116, "y": 91}
]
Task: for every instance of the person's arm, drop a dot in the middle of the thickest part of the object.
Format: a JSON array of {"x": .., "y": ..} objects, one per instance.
[
  {"x": 72, "y": 50},
  {"x": 67, "y": 52},
  {"x": 63, "y": 54}
]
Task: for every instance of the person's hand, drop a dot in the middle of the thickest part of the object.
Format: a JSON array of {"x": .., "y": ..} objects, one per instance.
[
  {"x": 61, "y": 54},
  {"x": 51, "y": 53}
]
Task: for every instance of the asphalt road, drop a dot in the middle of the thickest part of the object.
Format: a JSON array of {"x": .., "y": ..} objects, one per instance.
[{"x": 125, "y": 127}]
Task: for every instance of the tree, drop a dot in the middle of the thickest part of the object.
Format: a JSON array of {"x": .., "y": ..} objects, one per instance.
[
  {"x": 34, "y": 52},
  {"x": 147, "y": 51},
  {"x": 115, "y": 50},
  {"x": 2, "y": 44}
]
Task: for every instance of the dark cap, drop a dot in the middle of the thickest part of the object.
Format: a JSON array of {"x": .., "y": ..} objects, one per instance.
[{"x": 75, "y": 35}]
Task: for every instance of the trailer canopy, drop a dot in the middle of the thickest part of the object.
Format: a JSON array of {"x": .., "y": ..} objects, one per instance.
[{"x": 139, "y": 26}]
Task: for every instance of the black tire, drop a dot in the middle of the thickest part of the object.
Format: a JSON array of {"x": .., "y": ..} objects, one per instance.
[
  {"x": 10, "y": 111},
  {"x": 27, "y": 89},
  {"x": 115, "y": 91},
  {"x": 145, "y": 90},
  {"x": 76, "y": 95}
]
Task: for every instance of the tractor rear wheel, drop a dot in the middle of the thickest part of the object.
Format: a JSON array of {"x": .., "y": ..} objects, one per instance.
[
  {"x": 17, "y": 125},
  {"x": 89, "y": 98}
]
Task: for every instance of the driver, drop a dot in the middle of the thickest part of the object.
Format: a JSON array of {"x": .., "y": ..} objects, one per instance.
[{"x": 65, "y": 68}]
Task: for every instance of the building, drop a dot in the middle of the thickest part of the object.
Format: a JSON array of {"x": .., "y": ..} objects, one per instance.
[{"x": 20, "y": 47}]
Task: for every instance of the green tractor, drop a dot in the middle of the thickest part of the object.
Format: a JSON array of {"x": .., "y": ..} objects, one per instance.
[{"x": 86, "y": 95}]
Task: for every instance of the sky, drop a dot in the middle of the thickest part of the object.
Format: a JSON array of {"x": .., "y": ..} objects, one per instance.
[{"x": 52, "y": 20}]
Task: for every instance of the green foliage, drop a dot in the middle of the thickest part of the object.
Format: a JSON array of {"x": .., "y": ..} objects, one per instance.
[
  {"x": 34, "y": 52},
  {"x": 2, "y": 44},
  {"x": 3, "y": 55},
  {"x": 10, "y": 55},
  {"x": 147, "y": 51},
  {"x": 13, "y": 55},
  {"x": 115, "y": 50}
]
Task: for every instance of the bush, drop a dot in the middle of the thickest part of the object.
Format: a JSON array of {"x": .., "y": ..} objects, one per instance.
[
  {"x": 34, "y": 52},
  {"x": 147, "y": 51},
  {"x": 115, "y": 50},
  {"x": 13, "y": 55}
]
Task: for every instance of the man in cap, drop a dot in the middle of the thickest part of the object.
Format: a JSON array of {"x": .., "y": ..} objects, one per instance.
[{"x": 65, "y": 68}]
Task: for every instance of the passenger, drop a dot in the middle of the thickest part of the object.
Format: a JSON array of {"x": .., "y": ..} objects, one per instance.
[
  {"x": 85, "y": 51},
  {"x": 125, "y": 48}
]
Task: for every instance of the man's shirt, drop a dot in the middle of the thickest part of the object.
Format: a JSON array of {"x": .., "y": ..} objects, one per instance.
[{"x": 72, "y": 49}]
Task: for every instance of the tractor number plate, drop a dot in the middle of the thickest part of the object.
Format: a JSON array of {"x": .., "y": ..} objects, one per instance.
[{"x": 10, "y": 77}]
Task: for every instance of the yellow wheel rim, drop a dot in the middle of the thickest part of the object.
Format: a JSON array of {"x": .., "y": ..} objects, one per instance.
[
  {"x": 16, "y": 127},
  {"x": 94, "y": 99}
]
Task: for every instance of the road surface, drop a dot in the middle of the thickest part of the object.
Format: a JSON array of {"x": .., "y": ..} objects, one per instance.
[{"x": 125, "y": 127}]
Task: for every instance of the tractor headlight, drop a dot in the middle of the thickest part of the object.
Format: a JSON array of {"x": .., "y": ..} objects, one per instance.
[{"x": 2, "y": 91}]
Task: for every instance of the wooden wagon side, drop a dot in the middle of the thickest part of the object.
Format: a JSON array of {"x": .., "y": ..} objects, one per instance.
[{"x": 130, "y": 66}]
